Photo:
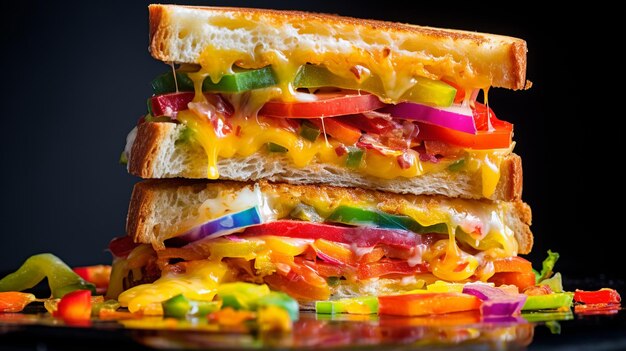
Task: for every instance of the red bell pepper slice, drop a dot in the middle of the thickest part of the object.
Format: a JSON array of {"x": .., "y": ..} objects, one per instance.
[
  {"x": 359, "y": 236},
  {"x": 388, "y": 266},
  {"x": 75, "y": 306},
  {"x": 326, "y": 105},
  {"x": 99, "y": 275},
  {"x": 604, "y": 295},
  {"x": 14, "y": 301},
  {"x": 427, "y": 304}
]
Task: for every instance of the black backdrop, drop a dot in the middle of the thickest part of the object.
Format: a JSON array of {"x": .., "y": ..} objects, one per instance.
[{"x": 74, "y": 78}]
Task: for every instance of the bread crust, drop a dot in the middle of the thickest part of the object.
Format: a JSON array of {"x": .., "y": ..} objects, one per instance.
[
  {"x": 145, "y": 196},
  {"x": 151, "y": 143},
  {"x": 514, "y": 77}
]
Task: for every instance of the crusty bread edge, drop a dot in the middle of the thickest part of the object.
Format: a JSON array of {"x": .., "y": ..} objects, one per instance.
[
  {"x": 150, "y": 137},
  {"x": 159, "y": 21},
  {"x": 144, "y": 195}
]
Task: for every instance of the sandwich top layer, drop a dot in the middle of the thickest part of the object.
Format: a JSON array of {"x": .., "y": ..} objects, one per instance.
[{"x": 220, "y": 38}]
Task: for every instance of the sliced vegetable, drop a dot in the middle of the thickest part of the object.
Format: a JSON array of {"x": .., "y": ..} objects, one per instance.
[
  {"x": 547, "y": 266},
  {"x": 425, "y": 90},
  {"x": 170, "y": 104},
  {"x": 522, "y": 280},
  {"x": 181, "y": 307},
  {"x": 388, "y": 266},
  {"x": 343, "y": 132},
  {"x": 61, "y": 278},
  {"x": 98, "y": 275},
  {"x": 360, "y": 216},
  {"x": 555, "y": 283},
  {"x": 492, "y": 133},
  {"x": 427, "y": 303},
  {"x": 122, "y": 246},
  {"x": 100, "y": 306},
  {"x": 323, "y": 105},
  {"x": 273, "y": 147},
  {"x": 309, "y": 131},
  {"x": 279, "y": 300},
  {"x": 512, "y": 264},
  {"x": 75, "y": 306},
  {"x": 604, "y": 295},
  {"x": 550, "y": 301},
  {"x": 300, "y": 281},
  {"x": 14, "y": 301},
  {"x": 356, "y": 305},
  {"x": 455, "y": 117},
  {"x": 355, "y": 157},
  {"x": 496, "y": 303},
  {"x": 359, "y": 236},
  {"x": 224, "y": 225},
  {"x": 241, "y": 296},
  {"x": 241, "y": 80}
]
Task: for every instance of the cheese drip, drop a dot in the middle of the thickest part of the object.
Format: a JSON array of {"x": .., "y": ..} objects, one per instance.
[
  {"x": 253, "y": 137},
  {"x": 198, "y": 282}
]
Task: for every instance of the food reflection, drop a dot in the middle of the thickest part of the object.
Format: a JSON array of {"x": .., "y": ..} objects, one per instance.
[{"x": 344, "y": 330}]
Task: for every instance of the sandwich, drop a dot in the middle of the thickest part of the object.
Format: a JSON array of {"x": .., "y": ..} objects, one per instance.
[{"x": 324, "y": 156}]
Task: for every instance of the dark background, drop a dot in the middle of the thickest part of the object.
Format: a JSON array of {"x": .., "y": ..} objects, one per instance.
[{"x": 75, "y": 76}]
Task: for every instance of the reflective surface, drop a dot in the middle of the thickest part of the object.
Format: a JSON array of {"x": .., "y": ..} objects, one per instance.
[{"x": 36, "y": 330}]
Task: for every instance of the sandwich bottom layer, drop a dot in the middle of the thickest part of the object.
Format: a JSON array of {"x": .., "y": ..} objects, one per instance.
[{"x": 312, "y": 242}]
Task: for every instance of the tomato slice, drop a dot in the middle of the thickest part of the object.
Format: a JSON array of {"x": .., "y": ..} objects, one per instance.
[
  {"x": 343, "y": 132},
  {"x": 326, "y": 105}
]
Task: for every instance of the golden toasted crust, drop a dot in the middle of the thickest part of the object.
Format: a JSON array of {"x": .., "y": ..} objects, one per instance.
[
  {"x": 513, "y": 77},
  {"x": 145, "y": 201},
  {"x": 146, "y": 148}
]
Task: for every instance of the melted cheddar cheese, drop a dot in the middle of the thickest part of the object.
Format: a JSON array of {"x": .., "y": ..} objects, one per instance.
[{"x": 252, "y": 137}]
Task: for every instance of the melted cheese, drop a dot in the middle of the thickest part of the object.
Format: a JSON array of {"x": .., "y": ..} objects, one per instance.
[
  {"x": 253, "y": 137},
  {"x": 198, "y": 282}
]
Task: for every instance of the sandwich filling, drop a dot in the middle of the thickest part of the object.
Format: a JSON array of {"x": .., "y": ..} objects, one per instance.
[
  {"x": 345, "y": 118},
  {"x": 316, "y": 245}
]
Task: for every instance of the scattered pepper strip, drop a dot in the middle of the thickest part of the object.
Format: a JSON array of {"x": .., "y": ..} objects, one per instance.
[
  {"x": 14, "y": 301},
  {"x": 61, "y": 278}
]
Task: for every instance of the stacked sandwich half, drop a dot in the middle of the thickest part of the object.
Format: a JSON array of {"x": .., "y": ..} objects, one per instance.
[{"x": 323, "y": 156}]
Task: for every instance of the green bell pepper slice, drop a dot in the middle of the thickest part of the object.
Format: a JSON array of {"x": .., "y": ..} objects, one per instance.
[
  {"x": 425, "y": 91},
  {"x": 241, "y": 296},
  {"x": 181, "y": 307},
  {"x": 309, "y": 131},
  {"x": 550, "y": 301},
  {"x": 61, "y": 278},
  {"x": 356, "y": 305},
  {"x": 273, "y": 147},
  {"x": 280, "y": 300},
  {"x": 360, "y": 216},
  {"x": 355, "y": 156},
  {"x": 241, "y": 80}
]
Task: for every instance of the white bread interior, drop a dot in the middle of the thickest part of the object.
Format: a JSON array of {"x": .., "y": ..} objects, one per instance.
[
  {"x": 182, "y": 33},
  {"x": 155, "y": 154}
]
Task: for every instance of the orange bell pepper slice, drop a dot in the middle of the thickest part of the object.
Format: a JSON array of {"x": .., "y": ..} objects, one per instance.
[
  {"x": 14, "y": 301},
  {"x": 427, "y": 304}
]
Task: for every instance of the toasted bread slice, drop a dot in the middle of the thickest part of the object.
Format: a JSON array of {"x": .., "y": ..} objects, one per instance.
[
  {"x": 162, "y": 209},
  {"x": 217, "y": 38},
  {"x": 156, "y": 154}
]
